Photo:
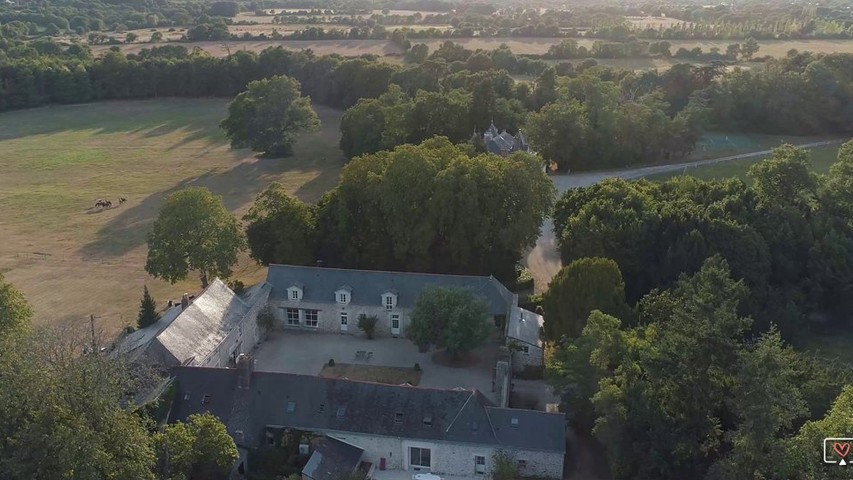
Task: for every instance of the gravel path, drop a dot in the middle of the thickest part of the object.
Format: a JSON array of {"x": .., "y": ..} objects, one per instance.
[{"x": 543, "y": 260}]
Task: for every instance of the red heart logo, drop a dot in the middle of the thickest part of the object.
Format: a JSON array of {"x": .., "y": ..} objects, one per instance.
[{"x": 842, "y": 449}]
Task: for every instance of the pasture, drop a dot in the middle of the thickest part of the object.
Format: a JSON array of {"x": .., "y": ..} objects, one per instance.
[
  {"x": 821, "y": 158},
  {"x": 71, "y": 259},
  {"x": 519, "y": 45}
]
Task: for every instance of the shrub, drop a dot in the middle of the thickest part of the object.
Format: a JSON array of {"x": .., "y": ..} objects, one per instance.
[
  {"x": 266, "y": 319},
  {"x": 417, "y": 367},
  {"x": 368, "y": 324},
  {"x": 238, "y": 286},
  {"x": 331, "y": 362},
  {"x": 504, "y": 466}
]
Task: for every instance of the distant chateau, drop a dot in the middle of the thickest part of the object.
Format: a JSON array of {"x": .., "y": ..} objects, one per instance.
[{"x": 503, "y": 143}]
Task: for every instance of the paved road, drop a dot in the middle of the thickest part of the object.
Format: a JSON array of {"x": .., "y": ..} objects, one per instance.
[{"x": 544, "y": 259}]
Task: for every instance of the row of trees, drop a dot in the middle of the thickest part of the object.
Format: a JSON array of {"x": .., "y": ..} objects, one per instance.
[
  {"x": 788, "y": 235},
  {"x": 428, "y": 208},
  {"x": 63, "y": 414},
  {"x": 690, "y": 391}
]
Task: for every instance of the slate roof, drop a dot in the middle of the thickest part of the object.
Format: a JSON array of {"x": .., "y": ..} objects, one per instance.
[
  {"x": 332, "y": 460},
  {"x": 524, "y": 325},
  {"x": 200, "y": 328},
  {"x": 460, "y": 416},
  {"x": 320, "y": 284}
]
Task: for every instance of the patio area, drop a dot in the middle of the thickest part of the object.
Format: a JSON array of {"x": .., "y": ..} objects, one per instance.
[{"x": 296, "y": 351}]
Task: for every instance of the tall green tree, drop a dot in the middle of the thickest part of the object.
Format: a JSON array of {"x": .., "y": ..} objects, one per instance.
[
  {"x": 449, "y": 318},
  {"x": 199, "y": 448},
  {"x": 147, "y": 310},
  {"x": 193, "y": 231},
  {"x": 15, "y": 311},
  {"x": 580, "y": 287},
  {"x": 267, "y": 116},
  {"x": 281, "y": 229}
]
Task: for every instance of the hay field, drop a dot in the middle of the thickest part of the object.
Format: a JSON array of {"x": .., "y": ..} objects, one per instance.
[
  {"x": 72, "y": 260},
  {"x": 519, "y": 45}
]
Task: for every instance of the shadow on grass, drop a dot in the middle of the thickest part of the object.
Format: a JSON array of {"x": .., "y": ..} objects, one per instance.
[{"x": 238, "y": 186}]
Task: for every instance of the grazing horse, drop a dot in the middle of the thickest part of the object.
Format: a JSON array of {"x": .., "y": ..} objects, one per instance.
[
  {"x": 121, "y": 200},
  {"x": 101, "y": 203},
  {"x": 108, "y": 204}
]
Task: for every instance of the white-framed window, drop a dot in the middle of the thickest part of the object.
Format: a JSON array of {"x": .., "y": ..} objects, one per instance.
[
  {"x": 311, "y": 318},
  {"x": 294, "y": 294},
  {"x": 525, "y": 349},
  {"x": 291, "y": 316},
  {"x": 420, "y": 457},
  {"x": 389, "y": 302},
  {"x": 479, "y": 464},
  {"x": 395, "y": 321},
  {"x": 342, "y": 298},
  {"x": 344, "y": 318}
]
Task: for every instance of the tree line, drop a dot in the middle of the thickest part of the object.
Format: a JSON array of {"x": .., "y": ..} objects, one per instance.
[{"x": 433, "y": 207}]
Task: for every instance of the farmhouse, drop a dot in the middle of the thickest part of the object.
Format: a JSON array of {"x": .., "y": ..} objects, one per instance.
[
  {"x": 331, "y": 300},
  {"x": 211, "y": 329},
  {"x": 340, "y": 425}
]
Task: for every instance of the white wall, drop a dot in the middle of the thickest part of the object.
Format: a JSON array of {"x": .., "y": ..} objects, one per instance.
[
  {"x": 246, "y": 331},
  {"x": 447, "y": 458},
  {"x": 329, "y": 320}
]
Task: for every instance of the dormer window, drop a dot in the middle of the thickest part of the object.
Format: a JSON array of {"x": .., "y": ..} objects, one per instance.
[
  {"x": 343, "y": 295},
  {"x": 294, "y": 292},
  {"x": 389, "y": 300}
]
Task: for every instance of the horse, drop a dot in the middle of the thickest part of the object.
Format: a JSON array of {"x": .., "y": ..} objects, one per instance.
[
  {"x": 100, "y": 203},
  {"x": 108, "y": 204},
  {"x": 121, "y": 200}
]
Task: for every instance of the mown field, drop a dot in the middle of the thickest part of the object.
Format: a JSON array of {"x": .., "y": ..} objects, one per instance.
[
  {"x": 519, "y": 45},
  {"x": 821, "y": 158},
  {"x": 72, "y": 260}
]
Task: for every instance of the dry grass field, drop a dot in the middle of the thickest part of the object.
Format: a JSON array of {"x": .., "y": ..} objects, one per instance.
[
  {"x": 529, "y": 46},
  {"x": 72, "y": 260}
]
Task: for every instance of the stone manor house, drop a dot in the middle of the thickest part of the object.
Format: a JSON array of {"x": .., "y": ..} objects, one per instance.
[{"x": 346, "y": 425}]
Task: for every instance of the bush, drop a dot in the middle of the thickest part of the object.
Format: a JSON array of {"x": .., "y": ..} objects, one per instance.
[
  {"x": 266, "y": 319},
  {"x": 367, "y": 324},
  {"x": 238, "y": 286},
  {"x": 504, "y": 466},
  {"x": 523, "y": 279},
  {"x": 417, "y": 367},
  {"x": 331, "y": 362}
]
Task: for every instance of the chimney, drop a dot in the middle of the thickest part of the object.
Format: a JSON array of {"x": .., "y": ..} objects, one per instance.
[
  {"x": 245, "y": 365},
  {"x": 185, "y": 302}
]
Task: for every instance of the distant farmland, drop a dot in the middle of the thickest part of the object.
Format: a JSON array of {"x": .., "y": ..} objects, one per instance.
[{"x": 519, "y": 45}]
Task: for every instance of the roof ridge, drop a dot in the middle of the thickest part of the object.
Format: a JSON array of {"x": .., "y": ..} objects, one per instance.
[{"x": 396, "y": 272}]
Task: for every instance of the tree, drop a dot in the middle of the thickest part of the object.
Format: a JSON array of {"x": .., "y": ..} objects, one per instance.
[
  {"x": 580, "y": 287},
  {"x": 266, "y": 320},
  {"x": 268, "y": 114},
  {"x": 199, "y": 448},
  {"x": 367, "y": 324},
  {"x": 281, "y": 229},
  {"x": 193, "y": 231},
  {"x": 62, "y": 413},
  {"x": 504, "y": 466},
  {"x": 147, "y": 310},
  {"x": 131, "y": 37},
  {"x": 749, "y": 48},
  {"x": 15, "y": 312},
  {"x": 450, "y": 318},
  {"x": 157, "y": 37}
]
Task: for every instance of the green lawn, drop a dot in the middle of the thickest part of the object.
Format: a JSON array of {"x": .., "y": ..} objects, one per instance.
[
  {"x": 821, "y": 157},
  {"x": 72, "y": 260}
]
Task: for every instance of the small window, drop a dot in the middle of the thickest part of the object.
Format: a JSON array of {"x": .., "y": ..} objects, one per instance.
[
  {"x": 322, "y": 407},
  {"x": 186, "y": 396},
  {"x": 513, "y": 422},
  {"x": 479, "y": 464},
  {"x": 342, "y": 411},
  {"x": 389, "y": 302},
  {"x": 428, "y": 420},
  {"x": 291, "y": 407},
  {"x": 525, "y": 349},
  {"x": 344, "y": 318},
  {"x": 475, "y": 426},
  {"x": 342, "y": 298},
  {"x": 206, "y": 399},
  {"x": 294, "y": 294},
  {"x": 398, "y": 418},
  {"x": 522, "y": 464}
]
